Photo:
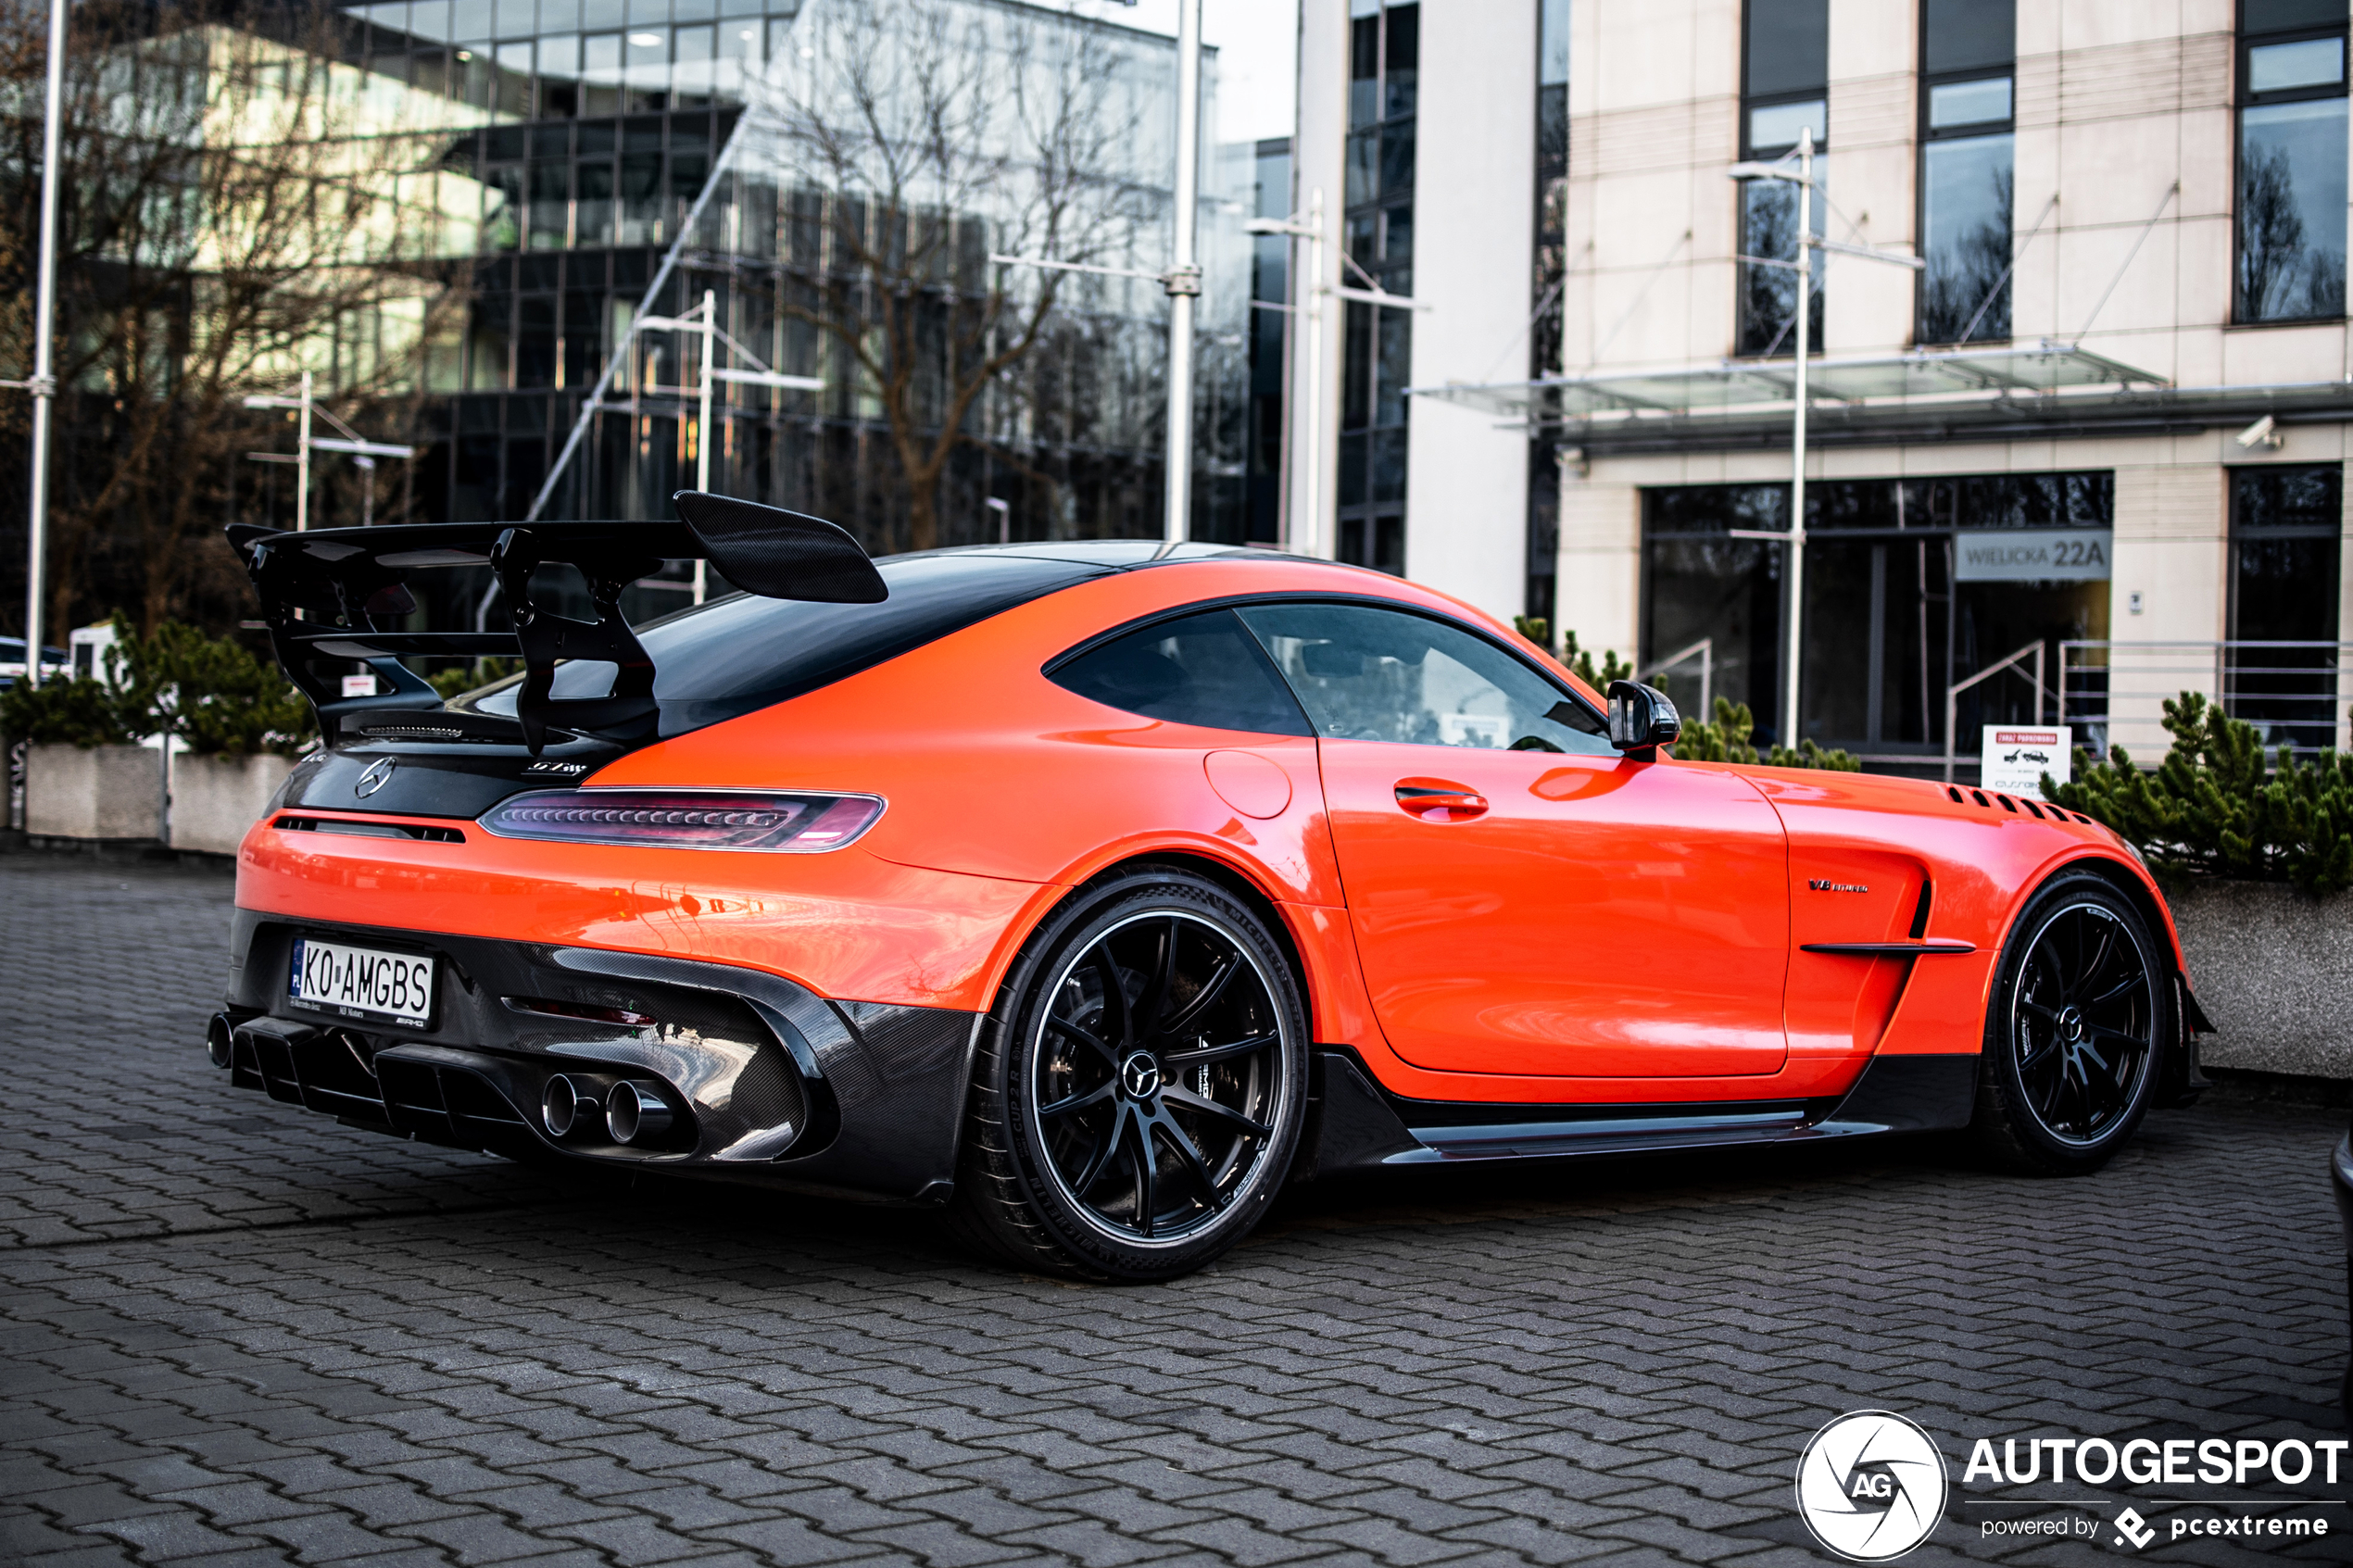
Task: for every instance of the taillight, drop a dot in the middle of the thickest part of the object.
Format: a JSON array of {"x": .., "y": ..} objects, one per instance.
[{"x": 684, "y": 819}]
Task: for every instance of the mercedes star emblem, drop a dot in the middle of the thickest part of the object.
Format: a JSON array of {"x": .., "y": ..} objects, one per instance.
[{"x": 378, "y": 773}]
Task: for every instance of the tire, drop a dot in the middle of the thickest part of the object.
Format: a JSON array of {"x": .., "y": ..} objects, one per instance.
[
  {"x": 2082, "y": 1009},
  {"x": 1134, "y": 1133}
]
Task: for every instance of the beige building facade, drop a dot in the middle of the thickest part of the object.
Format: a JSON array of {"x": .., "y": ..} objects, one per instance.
[{"x": 2123, "y": 363}]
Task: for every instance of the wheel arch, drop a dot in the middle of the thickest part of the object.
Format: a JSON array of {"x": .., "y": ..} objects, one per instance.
[
  {"x": 1234, "y": 879},
  {"x": 2179, "y": 1079}
]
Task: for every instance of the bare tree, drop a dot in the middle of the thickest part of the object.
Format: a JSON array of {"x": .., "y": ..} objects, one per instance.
[
  {"x": 2282, "y": 273},
  {"x": 917, "y": 136},
  {"x": 237, "y": 206}
]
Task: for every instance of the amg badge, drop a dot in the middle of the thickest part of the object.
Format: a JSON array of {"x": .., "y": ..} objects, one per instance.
[{"x": 566, "y": 768}]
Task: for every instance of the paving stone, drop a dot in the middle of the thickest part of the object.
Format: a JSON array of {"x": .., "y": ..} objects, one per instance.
[{"x": 232, "y": 1332}]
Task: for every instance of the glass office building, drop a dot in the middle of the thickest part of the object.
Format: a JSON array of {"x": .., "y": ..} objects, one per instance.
[{"x": 588, "y": 130}]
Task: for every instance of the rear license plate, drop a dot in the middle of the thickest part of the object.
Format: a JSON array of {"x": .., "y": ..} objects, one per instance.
[{"x": 361, "y": 982}]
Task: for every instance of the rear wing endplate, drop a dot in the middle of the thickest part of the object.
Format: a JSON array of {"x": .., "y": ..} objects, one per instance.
[{"x": 335, "y": 594}]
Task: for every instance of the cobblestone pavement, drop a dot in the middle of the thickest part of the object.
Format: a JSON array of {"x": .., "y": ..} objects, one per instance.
[{"x": 236, "y": 1333}]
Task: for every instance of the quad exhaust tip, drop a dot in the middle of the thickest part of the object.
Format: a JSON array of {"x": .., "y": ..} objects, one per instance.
[
  {"x": 636, "y": 1112},
  {"x": 569, "y": 1104},
  {"x": 632, "y": 1111},
  {"x": 219, "y": 1038}
]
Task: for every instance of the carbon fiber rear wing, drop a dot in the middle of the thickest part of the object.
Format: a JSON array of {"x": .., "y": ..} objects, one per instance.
[{"x": 338, "y": 595}]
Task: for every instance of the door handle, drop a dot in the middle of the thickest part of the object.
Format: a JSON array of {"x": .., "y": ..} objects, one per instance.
[{"x": 1434, "y": 800}]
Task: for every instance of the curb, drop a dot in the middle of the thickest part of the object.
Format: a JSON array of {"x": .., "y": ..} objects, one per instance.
[
  {"x": 2247, "y": 1086},
  {"x": 111, "y": 851}
]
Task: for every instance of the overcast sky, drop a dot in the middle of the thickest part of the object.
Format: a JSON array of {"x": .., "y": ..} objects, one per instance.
[{"x": 1257, "y": 42}]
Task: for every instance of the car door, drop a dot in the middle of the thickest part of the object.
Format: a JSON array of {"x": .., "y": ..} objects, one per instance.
[{"x": 1525, "y": 899}]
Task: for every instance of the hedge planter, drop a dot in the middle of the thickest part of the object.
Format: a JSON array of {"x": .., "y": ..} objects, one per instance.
[
  {"x": 2273, "y": 969},
  {"x": 216, "y": 799},
  {"x": 98, "y": 794}
]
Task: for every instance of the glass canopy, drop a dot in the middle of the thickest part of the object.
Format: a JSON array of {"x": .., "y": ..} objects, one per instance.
[{"x": 1760, "y": 385}]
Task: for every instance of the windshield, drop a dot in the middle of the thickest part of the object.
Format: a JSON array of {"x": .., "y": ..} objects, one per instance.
[{"x": 736, "y": 655}]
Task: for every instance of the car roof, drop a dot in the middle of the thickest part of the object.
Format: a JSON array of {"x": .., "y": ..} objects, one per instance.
[
  {"x": 740, "y": 652},
  {"x": 1109, "y": 555}
]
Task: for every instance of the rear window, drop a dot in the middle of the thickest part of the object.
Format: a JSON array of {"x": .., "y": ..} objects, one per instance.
[
  {"x": 1202, "y": 669},
  {"x": 734, "y": 656}
]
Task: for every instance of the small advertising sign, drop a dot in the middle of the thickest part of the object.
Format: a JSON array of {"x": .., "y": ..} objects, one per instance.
[
  {"x": 2032, "y": 555},
  {"x": 2016, "y": 756}
]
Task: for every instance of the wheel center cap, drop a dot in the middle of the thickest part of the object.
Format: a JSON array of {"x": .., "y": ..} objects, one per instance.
[
  {"x": 2071, "y": 1023},
  {"x": 1139, "y": 1075}
]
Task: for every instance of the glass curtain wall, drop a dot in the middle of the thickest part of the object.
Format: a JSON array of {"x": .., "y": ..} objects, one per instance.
[
  {"x": 1269, "y": 288},
  {"x": 1550, "y": 271},
  {"x": 1895, "y": 610},
  {"x": 2287, "y": 524},
  {"x": 602, "y": 120},
  {"x": 1784, "y": 88},
  {"x": 2291, "y": 160},
  {"x": 1966, "y": 52},
  {"x": 1377, "y": 346}
]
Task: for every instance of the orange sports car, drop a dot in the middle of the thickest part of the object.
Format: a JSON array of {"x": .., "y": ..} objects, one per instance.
[{"x": 1095, "y": 890}]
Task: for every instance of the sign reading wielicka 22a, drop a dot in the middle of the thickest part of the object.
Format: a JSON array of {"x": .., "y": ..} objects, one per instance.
[{"x": 2031, "y": 555}]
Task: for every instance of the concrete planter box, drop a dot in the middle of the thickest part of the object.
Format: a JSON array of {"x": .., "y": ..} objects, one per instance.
[
  {"x": 2273, "y": 969},
  {"x": 106, "y": 792},
  {"x": 215, "y": 799}
]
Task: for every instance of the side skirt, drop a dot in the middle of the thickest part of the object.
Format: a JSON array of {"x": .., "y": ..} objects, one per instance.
[{"x": 1361, "y": 1127}]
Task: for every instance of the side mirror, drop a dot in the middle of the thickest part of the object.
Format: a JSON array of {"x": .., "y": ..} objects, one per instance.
[{"x": 1641, "y": 720}]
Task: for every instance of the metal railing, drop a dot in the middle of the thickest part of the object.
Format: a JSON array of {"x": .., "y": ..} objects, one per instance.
[
  {"x": 1704, "y": 651},
  {"x": 2032, "y": 650},
  {"x": 2114, "y": 692}
]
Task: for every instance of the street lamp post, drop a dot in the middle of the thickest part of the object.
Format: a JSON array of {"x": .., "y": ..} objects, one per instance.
[
  {"x": 305, "y": 405},
  {"x": 1305, "y": 534},
  {"x": 703, "y": 321},
  {"x": 1797, "y": 433},
  {"x": 1306, "y": 537},
  {"x": 43, "y": 383},
  {"x": 1184, "y": 276},
  {"x": 1802, "y": 176}
]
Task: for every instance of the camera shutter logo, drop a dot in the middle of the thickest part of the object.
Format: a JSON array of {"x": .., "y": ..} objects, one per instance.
[{"x": 1872, "y": 1486}]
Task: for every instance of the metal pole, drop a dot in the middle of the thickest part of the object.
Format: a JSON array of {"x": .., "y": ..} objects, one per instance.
[
  {"x": 1311, "y": 299},
  {"x": 1797, "y": 434},
  {"x": 702, "y": 425},
  {"x": 367, "y": 491},
  {"x": 45, "y": 385},
  {"x": 302, "y": 462},
  {"x": 1184, "y": 274}
]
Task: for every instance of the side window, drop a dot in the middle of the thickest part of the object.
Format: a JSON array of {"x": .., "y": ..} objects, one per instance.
[
  {"x": 1202, "y": 669},
  {"x": 1363, "y": 674}
]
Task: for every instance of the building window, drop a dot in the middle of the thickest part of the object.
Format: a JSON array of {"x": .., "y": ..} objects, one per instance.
[
  {"x": 1784, "y": 89},
  {"x": 1269, "y": 286},
  {"x": 2286, "y": 522},
  {"x": 1967, "y": 50},
  {"x": 1897, "y": 606},
  {"x": 1376, "y": 345},
  {"x": 2291, "y": 156}
]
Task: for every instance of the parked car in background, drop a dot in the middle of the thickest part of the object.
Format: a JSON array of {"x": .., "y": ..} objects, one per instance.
[{"x": 53, "y": 661}]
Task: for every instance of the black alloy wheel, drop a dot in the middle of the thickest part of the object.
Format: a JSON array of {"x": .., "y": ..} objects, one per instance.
[
  {"x": 1139, "y": 1091},
  {"x": 2082, "y": 1009}
]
